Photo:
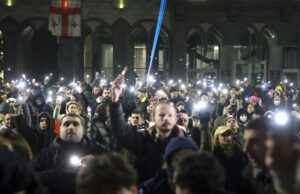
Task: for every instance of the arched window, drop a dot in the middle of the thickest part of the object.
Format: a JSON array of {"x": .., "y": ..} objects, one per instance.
[
  {"x": 88, "y": 55},
  {"x": 105, "y": 51},
  {"x": 140, "y": 56},
  {"x": 159, "y": 56},
  {"x": 250, "y": 57},
  {"x": 142, "y": 43},
  {"x": 194, "y": 49},
  {"x": 202, "y": 55},
  {"x": 160, "y": 64}
]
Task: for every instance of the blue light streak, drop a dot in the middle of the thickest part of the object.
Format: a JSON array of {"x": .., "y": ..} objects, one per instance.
[{"x": 158, "y": 27}]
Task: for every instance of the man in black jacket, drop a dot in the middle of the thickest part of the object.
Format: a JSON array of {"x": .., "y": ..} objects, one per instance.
[
  {"x": 257, "y": 174},
  {"x": 148, "y": 146},
  {"x": 58, "y": 164}
]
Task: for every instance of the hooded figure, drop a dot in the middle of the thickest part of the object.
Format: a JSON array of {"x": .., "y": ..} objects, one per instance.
[
  {"x": 39, "y": 104},
  {"x": 243, "y": 117},
  {"x": 175, "y": 150},
  {"x": 45, "y": 130}
]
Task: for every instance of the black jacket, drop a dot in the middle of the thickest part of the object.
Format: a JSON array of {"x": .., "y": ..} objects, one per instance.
[
  {"x": 43, "y": 107},
  {"x": 232, "y": 165},
  {"x": 54, "y": 167},
  {"x": 259, "y": 182},
  {"x": 147, "y": 146},
  {"x": 45, "y": 137},
  {"x": 203, "y": 137},
  {"x": 158, "y": 184}
]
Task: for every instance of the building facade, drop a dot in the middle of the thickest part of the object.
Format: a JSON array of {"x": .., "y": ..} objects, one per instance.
[{"x": 229, "y": 40}]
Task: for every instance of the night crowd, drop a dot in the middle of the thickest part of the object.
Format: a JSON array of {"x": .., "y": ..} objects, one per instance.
[{"x": 160, "y": 136}]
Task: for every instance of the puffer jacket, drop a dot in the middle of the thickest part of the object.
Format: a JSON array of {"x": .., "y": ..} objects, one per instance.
[{"x": 99, "y": 132}]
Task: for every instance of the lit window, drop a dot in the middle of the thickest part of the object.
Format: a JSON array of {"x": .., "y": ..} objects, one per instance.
[
  {"x": 9, "y": 3},
  {"x": 120, "y": 4}
]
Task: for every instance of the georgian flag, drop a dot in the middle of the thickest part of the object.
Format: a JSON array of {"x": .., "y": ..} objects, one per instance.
[{"x": 65, "y": 18}]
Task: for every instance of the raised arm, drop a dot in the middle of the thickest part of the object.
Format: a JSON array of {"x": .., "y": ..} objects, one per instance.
[{"x": 128, "y": 136}]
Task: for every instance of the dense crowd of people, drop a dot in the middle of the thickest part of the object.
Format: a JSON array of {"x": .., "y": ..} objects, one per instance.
[{"x": 159, "y": 136}]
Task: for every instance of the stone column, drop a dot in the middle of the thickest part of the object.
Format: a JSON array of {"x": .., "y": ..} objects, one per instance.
[
  {"x": 69, "y": 58},
  {"x": 121, "y": 31},
  {"x": 275, "y": 63},
  {"x": 227, "y": 71},
  {"x": 178, "y": 27}
]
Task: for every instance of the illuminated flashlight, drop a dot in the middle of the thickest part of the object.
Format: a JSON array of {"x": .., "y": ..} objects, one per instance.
[
  {"x": 21, "y": 98},
  {"x": 49, "y": 99},
  {"x": 200, "y": 105},
  {"x": 182, "y": 86},
  {"x": 75, "y": 161},
  {"x": 225, "y": 91},
  {"x": 281, "y": 118},
  {"x": 151, "y": 79},
  {"x": 140, "y": 84},
  {"x": 132, "y": 89},
  {"x": 160, "y": 92}
]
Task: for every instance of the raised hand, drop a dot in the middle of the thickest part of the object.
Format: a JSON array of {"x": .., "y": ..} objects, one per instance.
[{"x": 117, "y": 88}]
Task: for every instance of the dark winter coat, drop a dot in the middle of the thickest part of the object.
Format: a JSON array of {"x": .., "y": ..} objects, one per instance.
[
  {"x": 232, "y": 165},
  {"x": 142, "y": 106},
  {"x": 259, "y": 182},
  {"x": 148, "y": 147},
  {"x": 45, "y": 137},
  {"x": 54, "y": 167},
  {"x": 203, "y": 137},
  {"x": 43, "y": 107},
  {"x": 158, "y": 184}
]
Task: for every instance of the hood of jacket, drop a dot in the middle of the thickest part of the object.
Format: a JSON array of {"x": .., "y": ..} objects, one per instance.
[
  {"x": 49, "y": 117},
  {"x": 242, "y": 111},
  {"x": 177, "y": 144},
  {"x": 41, "y": 97}
]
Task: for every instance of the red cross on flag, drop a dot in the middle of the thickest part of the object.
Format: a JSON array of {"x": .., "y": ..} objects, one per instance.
[{"x": 65, "y": 18}]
